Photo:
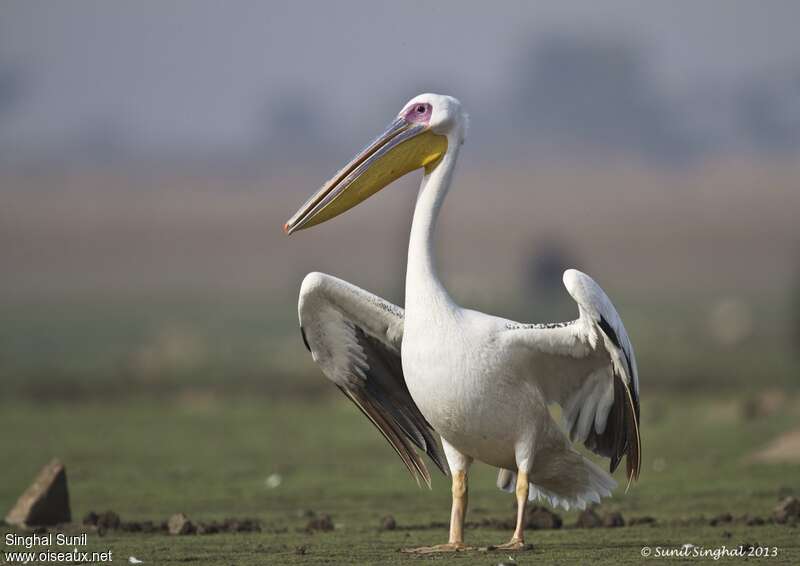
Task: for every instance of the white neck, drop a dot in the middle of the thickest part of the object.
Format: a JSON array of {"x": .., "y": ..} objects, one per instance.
[{"x": 425, "y": 293}]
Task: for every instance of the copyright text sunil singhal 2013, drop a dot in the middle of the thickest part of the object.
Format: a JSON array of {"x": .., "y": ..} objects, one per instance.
[{"x": 49, "y": 539}]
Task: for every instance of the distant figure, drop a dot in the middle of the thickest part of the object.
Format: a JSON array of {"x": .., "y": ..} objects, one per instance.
[{"x": 546, "y": 264}]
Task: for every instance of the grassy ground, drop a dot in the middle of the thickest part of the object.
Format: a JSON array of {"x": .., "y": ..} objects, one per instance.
[
  {"x": 211, "y": 457},
  {"x": 101, "y": 348}
]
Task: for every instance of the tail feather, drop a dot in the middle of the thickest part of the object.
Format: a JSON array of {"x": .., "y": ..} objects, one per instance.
[
  {"x": 586, "y": 483},
  {"x": 506, "y": 480}
]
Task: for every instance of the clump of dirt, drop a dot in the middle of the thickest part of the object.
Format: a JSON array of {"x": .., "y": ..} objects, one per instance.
[
  {"x": 589, "y": 519},
  {"x": 108, "y": 520},
  {"x": 322, "y": 522},
  {"x": 613, "y": 520},
  {"x": 753, "y": 521},
  {"x": 178, "y": 524},
  {"x": 232, "y": 525},
  {"x": 787, "y": 511},
  {"x": 722, "y": 519},
  {"x": 388, "y": 523},
  {"x": 148, "y": 527},
  {"x": 542, "y": 518},
  {"x": 785, "y": 448}
]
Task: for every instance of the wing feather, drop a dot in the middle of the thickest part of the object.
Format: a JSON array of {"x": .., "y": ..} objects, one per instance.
[
  {"x": 589, "y": 368},
  {"x": 355, "y": 338}
]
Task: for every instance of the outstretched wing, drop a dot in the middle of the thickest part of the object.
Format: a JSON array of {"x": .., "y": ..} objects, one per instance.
[
  {"x": 355, "y": 337},
  {"x": 587, "y": 366}
]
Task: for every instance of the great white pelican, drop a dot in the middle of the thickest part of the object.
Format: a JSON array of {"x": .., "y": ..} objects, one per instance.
[{"x": 481, "y": 383}]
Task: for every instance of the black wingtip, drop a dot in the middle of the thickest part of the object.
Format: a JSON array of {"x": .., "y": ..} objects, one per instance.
[
  {"x": 305, "y": 340},
  {"x": 606, "y": 327}
]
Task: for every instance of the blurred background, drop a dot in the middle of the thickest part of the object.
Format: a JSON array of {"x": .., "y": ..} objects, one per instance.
[{"x": 150, "y": 153}]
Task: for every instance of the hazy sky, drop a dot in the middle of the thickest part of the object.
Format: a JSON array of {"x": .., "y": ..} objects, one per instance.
[{"x": 198, "y": 72}]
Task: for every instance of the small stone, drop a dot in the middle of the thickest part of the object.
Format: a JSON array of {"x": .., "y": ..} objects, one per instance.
[
  {"x": 722, "y": 519},
  {"x": 207, "y": 528},
  {"x": 179, "y": 524},
  {"x": 149, "y": 527},
  {"x": 539, "y": 518},
  {"x": 233, "y": 525},
  {"x": 614, "y": 519},
  {"x": 247, "y": 525},
  {"x": 787, "y": 511},
  {"x": 753, "y": 521},
  {"x": 46, "y": 501},
  {"x": 321, "y": 523},
  {"x": 108, "y": 521},
  {"x": 388, "y": 523},
  {"x": 588, "y": 519}
]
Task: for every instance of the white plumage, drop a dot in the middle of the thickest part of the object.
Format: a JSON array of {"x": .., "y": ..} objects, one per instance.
[{"x": 482, "y": 383}]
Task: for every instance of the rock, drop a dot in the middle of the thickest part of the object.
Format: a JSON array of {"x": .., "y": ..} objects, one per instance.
[
  {"x": 752, "y": 521},
  {"x": 646, "y": 520},
  {"x": 542, "y": 518},
  {"x": 614, "y": 519},
  {"x": 207, "y": 528},
  {"x": 787, "y": 511},
  {"x": 179, "y": 524},
  {"x": 46, "y": 501},
  {"x": 722, "y": 519},
  {"x": 588, "y": 519},
  {"x": 241, "y": 525},
  {"x": 388, "y": 523},
  {"x": 321, "y": 523},
  {"x": 109, "y": 521}
]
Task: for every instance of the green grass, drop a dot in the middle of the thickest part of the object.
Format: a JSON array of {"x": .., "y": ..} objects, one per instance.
[
  {"x": 209, "y": 457},
  {"x": 111, "y": 347}
]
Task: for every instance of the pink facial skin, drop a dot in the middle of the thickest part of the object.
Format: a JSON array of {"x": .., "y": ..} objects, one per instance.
[{"x": 419, "y": 113}]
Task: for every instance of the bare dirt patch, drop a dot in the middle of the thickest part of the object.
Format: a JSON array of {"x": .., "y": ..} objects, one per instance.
[{"x": 784, "y": 449}]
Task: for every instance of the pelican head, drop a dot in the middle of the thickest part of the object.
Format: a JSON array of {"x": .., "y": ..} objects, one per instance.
[{"x": 417, "y": 138}]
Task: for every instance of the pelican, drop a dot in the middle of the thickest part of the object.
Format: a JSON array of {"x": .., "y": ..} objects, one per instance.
[{"x": 481, "y": 383}]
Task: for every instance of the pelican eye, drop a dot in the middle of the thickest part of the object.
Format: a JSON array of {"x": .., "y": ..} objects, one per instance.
[{"x": 419, "y": 113}]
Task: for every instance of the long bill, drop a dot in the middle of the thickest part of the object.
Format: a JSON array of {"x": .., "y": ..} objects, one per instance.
[{"x": 402, "y": 148}]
